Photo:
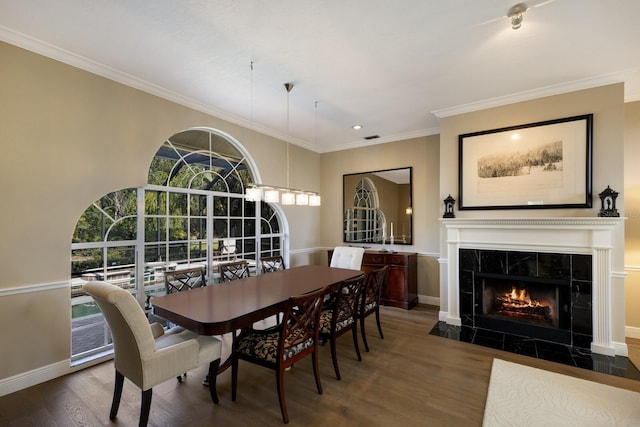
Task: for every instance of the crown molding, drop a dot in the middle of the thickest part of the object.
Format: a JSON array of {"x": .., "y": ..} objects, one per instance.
[{"x": 528, "y": 95}]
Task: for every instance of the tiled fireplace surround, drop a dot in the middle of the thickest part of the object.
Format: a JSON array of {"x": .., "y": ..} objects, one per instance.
[{"x": 570, "y": 245}]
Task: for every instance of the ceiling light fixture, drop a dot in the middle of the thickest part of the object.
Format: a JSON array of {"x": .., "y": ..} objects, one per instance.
[
  {"x": 272, "y": 194},
  {"x": 356, "y": 127},
  {"x": 516, "y": 14}
]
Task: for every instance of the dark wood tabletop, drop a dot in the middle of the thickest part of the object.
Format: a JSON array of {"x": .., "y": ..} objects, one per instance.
[{"x": 226, "y": 307}]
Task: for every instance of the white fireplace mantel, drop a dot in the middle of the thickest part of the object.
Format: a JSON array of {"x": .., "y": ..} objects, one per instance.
[{"x": 576, "y": 235}]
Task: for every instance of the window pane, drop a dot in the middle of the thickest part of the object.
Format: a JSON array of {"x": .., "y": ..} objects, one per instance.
[
  {"x": 155, "y": 253},
  {"x": 123, "y": 229},
  {"x": 155, "y": 229},
  {"x": 220, "y": 206},
  {"x": 236, "y": 228},
  {"x": 220, "y": 228},
  {"x": 84, "y": 260},
  {"x": 178, "y": 229},
  {"x": 155, "y": 202},
  {"x": 198, "y": 228},
  {"x": 198, "y": 204},
  {"x": 236, "y": 207},
  {"x": 177, "y": 204},
  {"x": 178, "y": 252}
]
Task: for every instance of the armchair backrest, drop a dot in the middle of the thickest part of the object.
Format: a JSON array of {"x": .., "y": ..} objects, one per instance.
[
  {"x": 347, "y": 257},
  {"x": 130, "y": 329},
  {"x": 347, "y": 301}
]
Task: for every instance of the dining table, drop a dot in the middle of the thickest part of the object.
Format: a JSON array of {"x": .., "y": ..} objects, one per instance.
[{"x": 221, "y": 308}]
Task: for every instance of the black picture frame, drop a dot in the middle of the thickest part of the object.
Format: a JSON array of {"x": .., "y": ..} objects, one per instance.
[{"x": 542, "y": 165}]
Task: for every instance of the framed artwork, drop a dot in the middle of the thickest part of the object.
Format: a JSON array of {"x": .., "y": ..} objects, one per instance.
[{"x": 544, "y": 165}]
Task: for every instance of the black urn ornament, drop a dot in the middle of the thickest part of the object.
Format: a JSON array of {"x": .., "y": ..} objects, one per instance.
[
  {"x": 608, "y": 203},
  {"x": 448, "y": 207}
]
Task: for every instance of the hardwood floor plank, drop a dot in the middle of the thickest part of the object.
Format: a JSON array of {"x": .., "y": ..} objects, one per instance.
[{"x": 408, "y": 378}]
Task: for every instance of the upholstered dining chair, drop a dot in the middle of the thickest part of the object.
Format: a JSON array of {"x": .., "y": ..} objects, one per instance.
[
  {"x": 233, "y": 270},
  {"x": 272, "y": 263},
  {"x": 340, "y": 317},
  {"x": 347, "y": 257},
  {"x": 146, "y": 354},
  {"x": 370, "y": 301},
  {"x": 283, "y": 345}
]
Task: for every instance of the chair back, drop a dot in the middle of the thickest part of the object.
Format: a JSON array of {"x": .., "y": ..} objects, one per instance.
[
  {"x": 346, "y": 303},
  {"x": 347, "y": 257},
  {"x": 371, "y": 294},
  {"x": 299, "y": 335},
  {"x": 272, "y": 263},
  {"x": 132, "y": 336},
  {"x": 183, "y": 280},
  {"x": 233, "y": 270}
]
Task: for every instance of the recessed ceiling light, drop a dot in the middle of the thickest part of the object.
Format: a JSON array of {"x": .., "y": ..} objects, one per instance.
[{"x": 356, "y": 127}]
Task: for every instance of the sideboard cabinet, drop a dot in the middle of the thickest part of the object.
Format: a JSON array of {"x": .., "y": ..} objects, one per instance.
[{"x": 401, "y": 289}]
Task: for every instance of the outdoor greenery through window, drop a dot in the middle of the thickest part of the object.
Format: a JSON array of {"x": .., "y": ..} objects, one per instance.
[{"x": 191, "y": 213}]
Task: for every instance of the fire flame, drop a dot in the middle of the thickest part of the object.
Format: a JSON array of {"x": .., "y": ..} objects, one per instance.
[{"x": 519, "y": 298}]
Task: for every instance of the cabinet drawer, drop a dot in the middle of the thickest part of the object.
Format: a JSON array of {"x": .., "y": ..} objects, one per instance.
[{"x": 373, "y": 259}]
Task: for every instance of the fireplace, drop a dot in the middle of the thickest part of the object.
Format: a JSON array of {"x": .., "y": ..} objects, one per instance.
[
  {"x": 528, "y": 294},
  {"x": 580, "y": 260}
]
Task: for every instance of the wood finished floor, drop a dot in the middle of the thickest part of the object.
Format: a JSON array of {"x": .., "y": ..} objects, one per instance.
[{"x": 410, "y": 378}]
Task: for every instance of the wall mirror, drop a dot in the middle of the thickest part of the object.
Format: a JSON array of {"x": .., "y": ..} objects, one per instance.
[{"x": 378, "y": 207}]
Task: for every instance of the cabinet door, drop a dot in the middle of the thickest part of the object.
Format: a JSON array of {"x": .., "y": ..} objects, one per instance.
[{"x": 396, "y": 282}]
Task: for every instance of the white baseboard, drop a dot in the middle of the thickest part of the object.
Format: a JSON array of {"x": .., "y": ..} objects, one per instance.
[
  {"x": 426, "y": 299},
  {"x": 31, "y": 378},
  {"x": 632, "y": 332}
]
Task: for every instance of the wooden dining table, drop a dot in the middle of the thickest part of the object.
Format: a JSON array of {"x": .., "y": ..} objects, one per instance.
[{"x": 227, "y": 307}]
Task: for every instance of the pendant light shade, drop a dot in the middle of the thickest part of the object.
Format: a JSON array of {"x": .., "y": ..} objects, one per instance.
[
  {"x": 288, "y": 198},
  {"x": 271, "y": 196},
  {"x": 253, "y": 194},
  {"x": 314, "y": 200},
  {"x": 302, "y": 199}
]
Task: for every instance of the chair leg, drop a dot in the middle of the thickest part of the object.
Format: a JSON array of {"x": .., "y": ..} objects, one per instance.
[
  {"x": 316, "y": 371},
  {"x": 146, "y": 407},
  {"x": 364, "y": 335},
  {"x": 117, "y": 394},
  {"x": 334, "y": 357},
  {"x": 354, "y": 332},
  {"x": 378, "y": 322},
  {"x": 213, "y": 375},
  {"x": 280, "y": 387},
  {"x": 234, "y": 377}
]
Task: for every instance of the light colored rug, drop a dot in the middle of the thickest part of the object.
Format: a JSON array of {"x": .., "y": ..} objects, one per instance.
[{"x": 525, "y": 396}]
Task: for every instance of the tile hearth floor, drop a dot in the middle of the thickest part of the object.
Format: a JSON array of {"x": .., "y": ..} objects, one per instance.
[{"x": 582, "y": 358}]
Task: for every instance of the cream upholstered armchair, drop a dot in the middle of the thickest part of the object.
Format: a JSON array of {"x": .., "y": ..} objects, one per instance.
[
  {"x": 146, "y": 354},
  {"x": 347, "y": 257}
]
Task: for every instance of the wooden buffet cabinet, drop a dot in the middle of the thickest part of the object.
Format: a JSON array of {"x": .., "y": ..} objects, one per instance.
[{"x": 401, "y": 288}]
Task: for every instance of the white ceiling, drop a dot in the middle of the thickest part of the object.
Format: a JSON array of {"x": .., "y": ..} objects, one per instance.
[{"x": 394, "y": 67}]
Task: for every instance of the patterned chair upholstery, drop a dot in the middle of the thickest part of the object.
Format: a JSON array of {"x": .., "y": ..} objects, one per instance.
[
  {"x": 370, "y": 301},
  {"x": 340, "y": 317},
  {"x": 281, "y": 346},
  {"x": 146, "y": 354}
]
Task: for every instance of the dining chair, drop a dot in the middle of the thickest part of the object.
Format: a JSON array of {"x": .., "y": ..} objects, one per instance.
[
  {"x": 340, "y": 317},
  {"x": 184, "y": 279},
  {"x": 147, "y": 354},
  {"x": 370, "y": 301},
  {"x": 279, "y": 347},
  {"x": 347, "y": 257},
  {"x": 272, "y": 263},
  {"x": 233, "y": 270}
]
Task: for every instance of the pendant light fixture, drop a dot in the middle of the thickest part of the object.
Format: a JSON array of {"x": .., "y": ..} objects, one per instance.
[{"x": 274, "y": 194}]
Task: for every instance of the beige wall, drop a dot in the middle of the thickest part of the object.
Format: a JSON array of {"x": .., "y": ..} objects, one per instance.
[
  {"x": 631, "y": 196},
  {"x": 69, "y": 137},
  {"x": 607, "y": 105}
]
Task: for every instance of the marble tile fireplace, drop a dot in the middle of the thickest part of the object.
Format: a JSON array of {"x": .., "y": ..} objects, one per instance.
[{"x": 544, "y": 278}]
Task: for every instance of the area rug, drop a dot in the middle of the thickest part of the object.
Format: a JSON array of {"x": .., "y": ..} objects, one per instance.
[{"x": 524, "y": 396}]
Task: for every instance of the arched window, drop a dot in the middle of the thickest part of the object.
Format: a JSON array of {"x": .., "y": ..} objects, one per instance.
[
  {"x": 191, "y": 212},
  {"x": 364, "y": 221}
]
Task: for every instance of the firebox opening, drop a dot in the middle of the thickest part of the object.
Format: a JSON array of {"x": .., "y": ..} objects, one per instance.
[{"x": 520, "y": 301}]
